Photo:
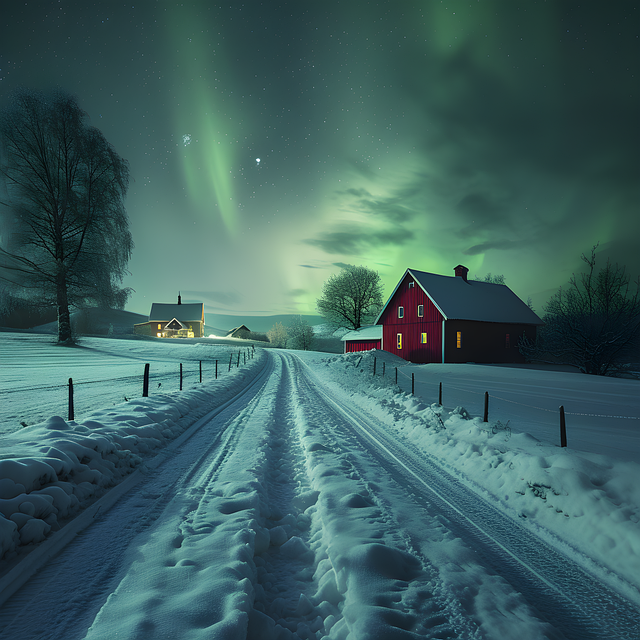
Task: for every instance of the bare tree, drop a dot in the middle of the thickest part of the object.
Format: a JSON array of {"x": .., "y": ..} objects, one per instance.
[
  {"x": 351, "y": 298},
  {"x": 68, "y": 239},
  {"x": 593, "y": 324},
  {"x": 301, "y": 333},
  {"x": 278, "y": 335},
  {"x": 498, "y": 278}
]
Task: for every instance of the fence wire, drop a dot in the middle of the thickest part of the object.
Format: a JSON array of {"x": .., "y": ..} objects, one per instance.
[{"x": 28, "y": 405}]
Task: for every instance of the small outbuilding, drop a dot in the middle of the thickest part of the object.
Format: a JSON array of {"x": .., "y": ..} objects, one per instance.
[
  {"x": 363, "y": 339},
  {"x": 239, "y": 332},
  {"x": 436, "y": 318},
  {"x": 173, "y": 321}
]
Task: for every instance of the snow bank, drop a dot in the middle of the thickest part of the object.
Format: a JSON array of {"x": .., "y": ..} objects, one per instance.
[
  {"x": 588, "y": 504},
  {"x": 50, "y": 471}
]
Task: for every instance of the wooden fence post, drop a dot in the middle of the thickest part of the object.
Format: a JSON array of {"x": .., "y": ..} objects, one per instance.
[
  {"x": 383, "y": 368},
  {"x": 563, "y": 428},
  {"x": 486, "y": 406},
  {"x": 440, "y": 395},
  {"x": 230, "y": 358},
  {"x": 413, "y": 384},
  {"x": 238, "y": 363},
  {"x": 145, "y": 381},
  {"x": 374, "y": 366},
  {"x": 216, "y": 369},
  {"x": 396, "y": 375},
  {"x": 200, "y": 370},
  {"x": 71, "y": 412},
  {"x": 181, "y": 376}
]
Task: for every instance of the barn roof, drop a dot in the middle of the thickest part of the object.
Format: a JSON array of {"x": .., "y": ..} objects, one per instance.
[
  {"x": 191, "y": 312},
  {"x": 460, "y": 299},
  {"x": 372, "y": 332},
  {"x": 234, "y": 332}
]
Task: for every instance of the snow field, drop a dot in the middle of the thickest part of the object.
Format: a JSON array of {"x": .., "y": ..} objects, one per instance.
[
  {"x": 589, "y": 502},
  {"x": 49, "y": 471},
  {"x": 106, "y": 372}
]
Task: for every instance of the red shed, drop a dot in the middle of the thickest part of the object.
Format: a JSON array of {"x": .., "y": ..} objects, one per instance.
[
  {"x": 434, "y": 318},
  {"x": 364, "y": 339}
]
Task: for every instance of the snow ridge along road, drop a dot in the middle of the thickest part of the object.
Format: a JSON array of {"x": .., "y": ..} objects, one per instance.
[
  {"x": 290, "y": 516},
  {"x": 571, "y": 599}
]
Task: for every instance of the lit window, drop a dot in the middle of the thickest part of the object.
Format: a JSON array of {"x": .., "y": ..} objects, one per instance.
[
  {"x": 399, "y": 341},
  {"x": 411, "y": 285},
  {"x": 459, "y": 340},
  {"x": 159, "y": 335},
  {"x": 420, "y": 310},
  {"x": 159, "y": 327},
  {"x": 400, "y": 312},
  {"x": 423, "y": 338},
  {"x": 507, "y": 342}
]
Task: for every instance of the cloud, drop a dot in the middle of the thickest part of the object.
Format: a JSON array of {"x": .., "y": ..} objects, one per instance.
[
  {"x": 220, "y": 297},
  {"x": 503, "y": 245},
  {"x": 308, "y": 266},
  {"x": 357, "y": 240},
  {"x": 395, "y": 209}
]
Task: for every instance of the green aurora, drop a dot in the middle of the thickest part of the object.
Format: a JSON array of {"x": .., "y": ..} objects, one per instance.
[{"x": 498, "y": 135}]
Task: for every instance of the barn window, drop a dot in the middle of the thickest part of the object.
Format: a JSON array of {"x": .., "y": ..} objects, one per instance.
[
  {"x": 507, "y": 342},
  {"x": 399, "y": 341},
  {"x": 420, "y": 310},
  {"x": 459, "y": 340},
  {"x": 423, "y": 338},
  {"x": 411, "y": 285},
  {"x": 400, "y": 312}
]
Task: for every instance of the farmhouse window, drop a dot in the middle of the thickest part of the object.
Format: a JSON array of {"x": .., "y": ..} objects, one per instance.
[
  {"x": 400, "y": 312},
  {"x": 159, "y": 327},
  {"x": 507, "y": 342},
  {"x": 459, "y": 340},
  {"x": 420, "y": 310},
  {"x": 399, "y": 341},
  {"x": 423, "y": 338}
]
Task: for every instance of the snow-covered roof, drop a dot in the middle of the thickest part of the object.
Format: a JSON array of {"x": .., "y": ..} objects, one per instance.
[
  {"x": 372, "y": 332},
  {"x": 190, "y": 312},
  {"x": 458, "y": 299}
]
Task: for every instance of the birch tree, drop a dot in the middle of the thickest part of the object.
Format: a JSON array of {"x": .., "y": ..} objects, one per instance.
[{"x": 65, "y": 239}]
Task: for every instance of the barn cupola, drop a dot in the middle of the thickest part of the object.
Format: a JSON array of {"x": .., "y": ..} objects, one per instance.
[
  {"x": 461, "y": 271},
  {"x": 180, "y": 298}
]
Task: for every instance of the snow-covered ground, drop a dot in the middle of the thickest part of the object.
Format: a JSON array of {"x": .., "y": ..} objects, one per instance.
[{"x": 296, "y": 496}]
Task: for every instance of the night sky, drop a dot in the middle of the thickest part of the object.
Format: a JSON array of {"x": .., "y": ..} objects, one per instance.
[{"x": 271, "y": 142}]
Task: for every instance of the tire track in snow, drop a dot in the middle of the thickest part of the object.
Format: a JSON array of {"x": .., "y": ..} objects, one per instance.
[
  {"x": 390, "y": 588},
  {"x": 575, "y": 603},
  {"x": 286, "y": 571}
]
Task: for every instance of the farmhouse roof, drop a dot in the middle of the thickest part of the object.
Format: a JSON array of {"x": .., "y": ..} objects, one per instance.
[
  {"x": 460, "y": 299},
  {"x": 191, "y": 312},
  {"x": 372, "y": 332}
]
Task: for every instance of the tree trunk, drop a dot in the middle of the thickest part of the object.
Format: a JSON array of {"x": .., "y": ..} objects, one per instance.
[{"x": 64, "y": 318}]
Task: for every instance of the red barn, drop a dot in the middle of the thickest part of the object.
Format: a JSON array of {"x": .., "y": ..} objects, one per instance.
[{"x": 434, "y": 318}]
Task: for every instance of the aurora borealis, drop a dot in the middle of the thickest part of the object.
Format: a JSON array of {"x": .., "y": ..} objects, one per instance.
[{"x": 498, "y": 134}]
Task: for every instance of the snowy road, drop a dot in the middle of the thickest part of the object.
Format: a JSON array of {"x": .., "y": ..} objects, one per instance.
[{"x": 289, "y": 514}]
